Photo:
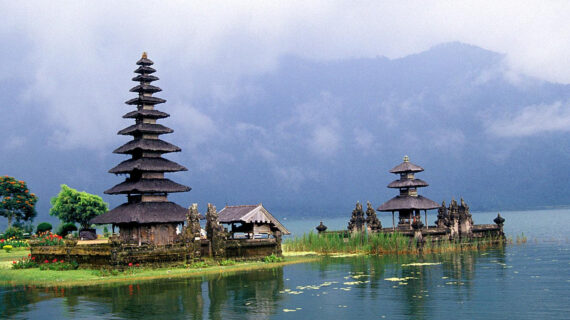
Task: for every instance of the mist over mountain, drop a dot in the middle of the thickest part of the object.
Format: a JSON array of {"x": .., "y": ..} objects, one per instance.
[{"x": 311, "y": 138}]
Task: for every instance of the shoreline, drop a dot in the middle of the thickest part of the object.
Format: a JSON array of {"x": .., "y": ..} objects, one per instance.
[{"x": 88, "y": 277}]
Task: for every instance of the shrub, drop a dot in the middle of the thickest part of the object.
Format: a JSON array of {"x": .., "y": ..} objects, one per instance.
[
  {"x": 13, "y": 233},
  {"x": 272, "y": 258},
  {"x": 66, "y": 229},
  {"x": 227, "y": 262},
  {"x": 7, "y": 248},
  {"x": 58, "y": 265},
  {"x": 25, "y": 263},
  {"x": 43, "y": 227},
  {"x": 106, "y": 232},
  {"x": 199, "y": 265}
]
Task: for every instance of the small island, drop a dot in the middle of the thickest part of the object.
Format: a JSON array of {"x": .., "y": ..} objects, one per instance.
[{"x": 152, "y": 237}]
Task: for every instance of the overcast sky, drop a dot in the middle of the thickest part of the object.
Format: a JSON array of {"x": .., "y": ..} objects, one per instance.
[
  {"x": 71, "y": 53},
  {"x": 67, "y": 66}
]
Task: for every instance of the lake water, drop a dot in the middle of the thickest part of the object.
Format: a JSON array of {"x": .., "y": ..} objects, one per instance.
[{"x": 524, "y": 281}]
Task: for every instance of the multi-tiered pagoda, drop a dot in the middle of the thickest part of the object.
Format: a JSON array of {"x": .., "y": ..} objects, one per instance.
[
  {"x": 408, "y": 203},
  {"x": 148, "y": 216}
]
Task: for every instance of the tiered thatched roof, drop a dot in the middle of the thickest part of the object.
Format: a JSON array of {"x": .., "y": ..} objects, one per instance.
[
  {"x": 146, "y": 167},
  {"x": 408, "y": 199}
]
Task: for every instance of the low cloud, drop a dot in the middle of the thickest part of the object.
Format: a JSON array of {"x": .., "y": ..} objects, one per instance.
[{"x": 533, "y": 120}]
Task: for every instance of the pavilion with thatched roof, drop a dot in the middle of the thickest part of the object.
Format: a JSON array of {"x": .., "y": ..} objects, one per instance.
[
  {"x": 252, "y": 221},
  {"x": 147, "y": 216},
  {"x": 408, "y": 203}
]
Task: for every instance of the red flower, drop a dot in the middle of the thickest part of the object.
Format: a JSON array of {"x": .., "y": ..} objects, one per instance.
[
  {"x": 130, "y": 264},
  {"x": 13, "y": 262},
  {"x": 137, "y": 264},
  {"x": 61, "y": 261},
  {"x": 46, "y": 261},
  {"x": 54, "y": 260},
  {"x": 33, "y": 258},
  {"x": 29, "y": 254}
]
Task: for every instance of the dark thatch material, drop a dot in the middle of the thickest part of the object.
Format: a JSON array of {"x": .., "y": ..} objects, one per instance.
[
  {"x": 153, "y": 145},
  {"x": 143, "y": 212},
  {"x": 408, "y": 202},
  {"x": 406, "y": 166},
  {"x": 147, "y": 186},
  {"x": 147, "y": 165},
  {"x": 411, "y": 183},
  {"x": 145, "y": 128},
  {"x": 145, "y": 70},
  {"x": 145, "y": 88},
  {"x": 250, "y": 214},
  {"x": 141, "y": 100},
  {"x": 144, "y": 113},
  {"x": 145, "y": 78},
  {"x": 144, "y": 61}
]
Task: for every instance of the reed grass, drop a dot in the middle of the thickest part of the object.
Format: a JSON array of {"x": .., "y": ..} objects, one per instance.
[
  {"x": 361, "y": 242},
  {"x": 382, "y": 243}
]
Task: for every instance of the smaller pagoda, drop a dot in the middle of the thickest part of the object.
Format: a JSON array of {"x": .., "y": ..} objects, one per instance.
[{"x": 408, "y": 203}]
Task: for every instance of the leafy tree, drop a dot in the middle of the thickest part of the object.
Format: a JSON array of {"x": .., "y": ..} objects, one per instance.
[
  {"x": 17, "y": 203},
  {"x": 73, "y": 206}
]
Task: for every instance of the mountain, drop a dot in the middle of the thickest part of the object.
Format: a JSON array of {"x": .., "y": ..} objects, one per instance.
[{"x": 310, "y": 138}]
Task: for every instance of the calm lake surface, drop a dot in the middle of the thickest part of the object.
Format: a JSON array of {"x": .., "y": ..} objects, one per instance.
[{"x": 519, "y": 281}]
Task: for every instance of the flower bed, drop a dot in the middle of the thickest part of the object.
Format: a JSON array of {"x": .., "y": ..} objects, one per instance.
[
  {"x": 14, "y": 242},
  {"x": 25, "y": 263},
  {"x": 48, "y": 239},
  {"x": 58, "y": 265}
]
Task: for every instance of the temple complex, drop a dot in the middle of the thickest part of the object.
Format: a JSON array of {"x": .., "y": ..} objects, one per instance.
[
  {"x": 147, "y": 216},
  {"x": 408, "y": 203}
]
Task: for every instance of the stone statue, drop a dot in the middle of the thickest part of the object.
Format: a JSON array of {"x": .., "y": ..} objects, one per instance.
[
  {"x": 443, "y": 220},
  {"x": 356, "y": 223},
  {"x": 193, "y": 222},
  {"x": 215, "y": 232},
  {"x": 372, "y": 221}
]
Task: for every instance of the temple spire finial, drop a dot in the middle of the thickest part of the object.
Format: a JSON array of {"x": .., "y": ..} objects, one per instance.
[
  {"x": 144, "y": 55},
  {"x": 406, "y": 158}
]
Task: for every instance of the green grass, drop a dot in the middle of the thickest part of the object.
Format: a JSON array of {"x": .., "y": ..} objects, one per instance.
[
  {"x": 6, "y": 258},
  {"x": 84, "y": 277}
]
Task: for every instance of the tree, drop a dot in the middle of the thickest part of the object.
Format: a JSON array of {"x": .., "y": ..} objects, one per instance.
[
  {"x": 73, "y": 206},
  {"x": 17, "y": 203}
]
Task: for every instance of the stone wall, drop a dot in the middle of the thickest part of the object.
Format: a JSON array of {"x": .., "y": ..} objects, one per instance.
[
  {"x": 115, "y": 254},
  {"x": 252, "y": 248}
]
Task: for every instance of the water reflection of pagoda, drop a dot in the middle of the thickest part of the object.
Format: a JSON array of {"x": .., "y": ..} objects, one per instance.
[
  {"x": 408, "y": 203},
  {"x": 148, "y": 216}
]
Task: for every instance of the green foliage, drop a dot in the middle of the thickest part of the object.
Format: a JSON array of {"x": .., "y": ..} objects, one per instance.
[
  {"x": 16, "y": 201},
  {"x": 58, "y": 265},
  {"x": 43, "y": 227},
  {"x": 106, "y": 232},
  {"x": 66, "y": 228},
  {"x": 7, "y": 248},
  {"x": 227, "y": 262},
  {"x": 13, "y": 233},
  {"x": 199, "y": 265},
  {"x": 25, "y": 263},
  {"x": 272, "y": 258},
  {"x": 26, "y": 227},
  {"x": 73, "y": 206}
]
